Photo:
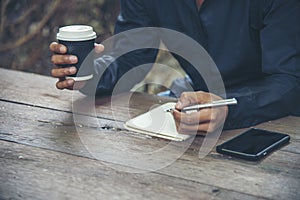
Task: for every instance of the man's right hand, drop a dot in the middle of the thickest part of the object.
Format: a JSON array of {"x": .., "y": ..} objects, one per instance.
[{"x": 60, "y": 57}]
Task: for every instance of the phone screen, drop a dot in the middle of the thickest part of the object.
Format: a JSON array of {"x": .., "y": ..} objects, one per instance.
[{"x": 253, "y": 144}]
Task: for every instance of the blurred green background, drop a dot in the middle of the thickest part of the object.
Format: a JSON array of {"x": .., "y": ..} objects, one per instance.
[{"x": 27, "y": 27}]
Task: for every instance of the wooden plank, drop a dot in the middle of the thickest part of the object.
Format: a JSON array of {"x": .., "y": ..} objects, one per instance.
[
  {"x": 56, "y": 130},
  {"x": 33, "y": 89},
  {"x": 273, "y": 178},
  {"x": 57, "y": 127},
  {"x": 53, "y": 130},
  {"x": 281, "y": 161},
  {"x": 37, "y": 90},
  {"x": 40, "y": 91},
  {"x": 33, "y": 173},
  {"x": 120, "y": 107}
]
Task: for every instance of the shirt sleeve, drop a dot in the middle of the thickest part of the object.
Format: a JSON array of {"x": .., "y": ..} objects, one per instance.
[
  {"x": 124, "y": 52},
  {"x": 277, "y": 94}
]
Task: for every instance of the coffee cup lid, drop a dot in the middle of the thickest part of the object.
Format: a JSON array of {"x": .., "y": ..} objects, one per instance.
[{"x": 76, "y": 33}]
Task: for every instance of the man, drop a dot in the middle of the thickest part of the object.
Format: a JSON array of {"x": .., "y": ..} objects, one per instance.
[{"x": 255, "y": 45}]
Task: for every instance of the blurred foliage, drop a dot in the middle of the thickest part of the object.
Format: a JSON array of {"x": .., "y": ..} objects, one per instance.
[{"x": 27, "y": 27}]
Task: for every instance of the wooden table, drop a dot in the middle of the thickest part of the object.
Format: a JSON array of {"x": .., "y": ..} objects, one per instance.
[{"x": 42, "y": 156}]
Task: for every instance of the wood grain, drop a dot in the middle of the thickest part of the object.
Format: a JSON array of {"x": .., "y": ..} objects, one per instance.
[
  {"x": 55, "y": 130},
  {"x": 33, "y": 173},
  {"x": 39, "y": 91},
  {"x": 44, "y": 154}
]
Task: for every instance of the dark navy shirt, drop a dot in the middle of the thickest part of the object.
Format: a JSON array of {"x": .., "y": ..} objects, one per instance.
[{"x": 254, "y": 43}]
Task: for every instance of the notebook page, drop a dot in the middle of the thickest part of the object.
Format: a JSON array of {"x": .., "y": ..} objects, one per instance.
[{"x": 157, "y": 122}]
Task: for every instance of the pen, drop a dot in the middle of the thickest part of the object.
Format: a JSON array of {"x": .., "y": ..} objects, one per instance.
[{"x": 217, "y": 103}]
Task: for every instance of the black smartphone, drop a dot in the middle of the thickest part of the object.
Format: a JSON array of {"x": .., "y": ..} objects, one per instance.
[{"x": 253, "y": 144}]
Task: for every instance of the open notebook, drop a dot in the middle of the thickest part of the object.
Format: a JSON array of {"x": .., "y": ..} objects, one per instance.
[{"x": 157, "y": 122}]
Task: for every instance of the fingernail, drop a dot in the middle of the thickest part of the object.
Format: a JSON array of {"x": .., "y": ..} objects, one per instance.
[
  {"x": 99, "y": 48},
  {"x": 69, "y": 82},
  {"x": 73, "y": 59},
  {"x": 62, "y": 49},
  {"x": 178, "y": 104},
  {"x": 72, "y": 70}
]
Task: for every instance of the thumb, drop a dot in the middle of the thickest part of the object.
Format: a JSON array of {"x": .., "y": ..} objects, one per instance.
[
  {"x": 186, "y": 99},
  {"x": 99, "y": 48},
  {"x": 179, "y": 105}
]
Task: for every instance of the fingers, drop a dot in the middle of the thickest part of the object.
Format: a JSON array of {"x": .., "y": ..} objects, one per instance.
[
  {"x": 202, "y": 116},
  {"x": 191, "y": 98},
  {"x": 65, "y": 84},
  {"x": 205, "y": 120},
  {"x": 193, "y": 122},
  {"x": 199, "y": 129},
  {"x": 57, "y": 48},
  {"x": 63, "y": 59},
  {"x": 62, "y": 72},
  {"x": 192, "y": 128},
  {"x": 186, "y": 99},
  {"x": 61, "y": 49},
  {"x": 60, "y": 57}
]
